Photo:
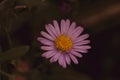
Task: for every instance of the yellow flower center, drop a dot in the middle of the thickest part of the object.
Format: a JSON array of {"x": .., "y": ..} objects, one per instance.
[{"x": 63, "y": 43}]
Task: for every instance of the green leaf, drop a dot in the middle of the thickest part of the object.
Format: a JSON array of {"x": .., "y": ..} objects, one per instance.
[{"x": 14, "y": 53}]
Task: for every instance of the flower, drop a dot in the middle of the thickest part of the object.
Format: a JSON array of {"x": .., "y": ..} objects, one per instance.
[{"x": 64, "y": 42}]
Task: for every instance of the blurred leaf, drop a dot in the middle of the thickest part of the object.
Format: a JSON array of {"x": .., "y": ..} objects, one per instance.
[{"x": 14, "y": 53}]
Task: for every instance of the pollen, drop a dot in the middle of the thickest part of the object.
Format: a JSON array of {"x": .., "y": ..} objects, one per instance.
[{"x": 63, "y": 43}]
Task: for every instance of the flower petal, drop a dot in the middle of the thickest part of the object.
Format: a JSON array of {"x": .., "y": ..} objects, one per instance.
[
  {"x": 64, "y": 65},
  {"x": 45, "y": 41},
  {"x": 80, "y": 50},
  {"x": 76, "y": 54},
  {"x": 49, "y": 54},
  {"x": 72, "y": 26},
  {"x": 46, "y": 35},
  {"x": 55, "y": 57},
  {"x": 74, "y": 59},
  {"x": 82, "y": 42},
  {"x": 62, "y": 61},
  {"x": 82, "y": 47},
  {"x": 49, "y": 31},
  {"x": 82, "y": 37},
  {"x": 47, "y": 47},
  {"x": 67, "y": 25},
  {"x": 63, "y": 26},
  {"x": 56, "y": 27},
  {"x": 67, "y": 58},
  {"x": 52, "y": 29},
  {"x": 77, "y": 32}
]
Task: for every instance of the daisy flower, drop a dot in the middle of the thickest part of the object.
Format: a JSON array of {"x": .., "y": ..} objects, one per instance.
[{"x": 64, "y": 42}]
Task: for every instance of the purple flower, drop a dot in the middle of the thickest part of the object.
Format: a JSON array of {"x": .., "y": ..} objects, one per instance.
[{"x": 64, "y": 42}]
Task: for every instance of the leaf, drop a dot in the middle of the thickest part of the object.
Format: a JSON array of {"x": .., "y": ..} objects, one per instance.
[{"x": 14, "y": 53}]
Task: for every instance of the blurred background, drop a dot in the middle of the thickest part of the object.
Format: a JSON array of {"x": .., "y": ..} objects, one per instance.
[{"x": 22, "y": 20}]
